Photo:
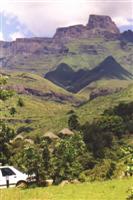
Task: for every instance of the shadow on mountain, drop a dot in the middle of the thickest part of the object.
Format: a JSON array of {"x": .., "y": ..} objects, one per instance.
[{"x": 73, "y": 81}]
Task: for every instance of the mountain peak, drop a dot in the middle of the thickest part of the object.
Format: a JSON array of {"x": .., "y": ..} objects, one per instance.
[
  {"x": 98, "y": 26},
  {"x": 102, "y": 22}
]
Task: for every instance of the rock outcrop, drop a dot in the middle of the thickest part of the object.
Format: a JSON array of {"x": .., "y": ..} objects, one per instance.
[
  {"x": 127, "y": 36},
  {"x": 98, "y": 26},
  {"x": 102, "y": 23},
  {"x": 103, "y": 92}
]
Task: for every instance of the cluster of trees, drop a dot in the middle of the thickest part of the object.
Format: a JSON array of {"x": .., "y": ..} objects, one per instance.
[
  {"x": 58, "y": 160},
  {"x": 91, "y": 153}
]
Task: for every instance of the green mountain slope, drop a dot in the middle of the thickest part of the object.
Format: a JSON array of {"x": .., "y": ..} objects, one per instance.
[
  {"x": 73, "y": 81},
  {"x": 39, "y": 115}
]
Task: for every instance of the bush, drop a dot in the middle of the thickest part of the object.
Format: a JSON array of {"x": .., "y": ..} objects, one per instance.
[
  {"x": 130, "y": 196},
  {"x": 20, "y": 102},
  {"x": 5, "y": 94},
  {"x": 13, "y": 110},
  {"x": 102, "y": 171}
]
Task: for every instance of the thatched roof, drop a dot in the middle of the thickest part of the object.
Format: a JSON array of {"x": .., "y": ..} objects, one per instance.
[
  {"x": 19, "y": 137},
  {"x": 50, "y": 135},
  {"x": 66, "y": 132},
  {"x": 29, "y": 141}
]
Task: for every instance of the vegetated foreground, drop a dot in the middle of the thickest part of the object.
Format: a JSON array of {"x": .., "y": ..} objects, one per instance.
[{"x": 107, "y": 190}]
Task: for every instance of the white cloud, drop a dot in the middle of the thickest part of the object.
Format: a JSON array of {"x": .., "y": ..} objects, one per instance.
[
  {"x": 43, "y": 17},
  {"x": 1, "y": 36},
  {"x": 15, "y": 35}
]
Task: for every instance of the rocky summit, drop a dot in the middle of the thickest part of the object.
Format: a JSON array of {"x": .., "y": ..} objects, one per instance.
[
  {"x": 102, "y": 23},
  {"x": 98, "y": 25}
]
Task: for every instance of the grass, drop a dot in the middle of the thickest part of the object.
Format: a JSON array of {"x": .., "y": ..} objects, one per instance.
[
  {"x": 53, "y": 116},
  {"x": 34, "y": 81},
  {"x": 105, "y": 83},
  {"x": 108, "y": 190},
  {"x": 76, "y": 58},
  {"x": 45, "y": 115},
  {"x": 95, "y": 108}
]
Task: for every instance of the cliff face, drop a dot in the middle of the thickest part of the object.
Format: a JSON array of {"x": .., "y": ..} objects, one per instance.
[
  {"x": 102, "y": 23},
  {"x": 30, "y": 51},
  {"x": 98, "y": 26}
]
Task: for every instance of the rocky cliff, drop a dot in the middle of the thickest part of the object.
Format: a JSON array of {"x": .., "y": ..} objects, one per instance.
[
  {"x": 98, "y": 26},
  {"x": 102, "y": 23},
  {"x": 46, "y": 53}
]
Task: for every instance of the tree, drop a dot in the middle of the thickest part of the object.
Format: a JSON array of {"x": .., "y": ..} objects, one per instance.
[
  {"x": 13, "y": 111},
  {"x": 20, "y": 102},
  {"x": 6, "y": 135},
  {"x": 96, "y": 139},
  {"x": 67, "y": 156},
  {"x": 31, "y": 161},
  {"x": 73, "y": 122}
]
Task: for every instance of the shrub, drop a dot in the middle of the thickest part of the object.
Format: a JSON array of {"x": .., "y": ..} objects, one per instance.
[
  {"x": 102, "y": 171},
  {"x": 20, "y": 102},
  {"x": 13, "y": 110}
]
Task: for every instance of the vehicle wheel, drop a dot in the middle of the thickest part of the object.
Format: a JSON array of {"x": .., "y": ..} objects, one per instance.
[{"x": 22, "y": 184}]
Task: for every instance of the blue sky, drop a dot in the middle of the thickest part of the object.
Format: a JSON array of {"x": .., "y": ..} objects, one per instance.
[
  {"x": 28, "y": 18},
  {"x": 11, "y": 28}
]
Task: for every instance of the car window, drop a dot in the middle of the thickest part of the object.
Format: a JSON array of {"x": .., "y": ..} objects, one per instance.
[{"x": 7, "y": 172}]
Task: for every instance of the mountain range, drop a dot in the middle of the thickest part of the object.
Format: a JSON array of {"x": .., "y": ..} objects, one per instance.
[
  {"x": 82, "y": 68},
  {"x": 75, "y": 56}
]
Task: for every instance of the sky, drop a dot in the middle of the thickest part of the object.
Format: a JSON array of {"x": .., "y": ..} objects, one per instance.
[{"x": 40, "y": 18}]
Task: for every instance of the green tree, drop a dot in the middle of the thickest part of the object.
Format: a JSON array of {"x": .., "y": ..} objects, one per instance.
[
  {"x": 67, "y": 156},
  {"x": 73, "y": 122},
  {"x": 13, "y": 111},
  {"x": 6, "y": 135},
  {"x": 31, "y": 161},
  {"x": 20, "y": 102}
]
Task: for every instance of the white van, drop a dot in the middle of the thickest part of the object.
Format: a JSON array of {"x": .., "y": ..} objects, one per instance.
[{"x": 11, "y": 177}]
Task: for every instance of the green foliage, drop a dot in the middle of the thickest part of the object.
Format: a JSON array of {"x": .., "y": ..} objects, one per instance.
[
  {"x": 6, "y": 134},
  {"x": 13, "y": 111},
  {"x": 102, "y": 171},
  {"x": 112, "y": 124},
  {"x": 67, "y": 158},
  {"x": 21, "y": 102},
  {"x": 3, "y": 80},
  {"x": 73, "y": 122},
  {"x": 130, "y": 195},
  {"x": 97, "y": 139},
  {"x": 5, "y": 94}
]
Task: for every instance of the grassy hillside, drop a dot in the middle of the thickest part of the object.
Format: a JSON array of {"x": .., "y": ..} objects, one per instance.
[
  {"x": 94, "y": 108},
  {"x": 83, "y": 53},
  {"x": 39, "y": 115},
  {"x": 81, "y": 58},
  {"x": 43, "y": 115},
  {"x": 108, "y": 190},
  {"x": 34, "y": 81},
  {"x": 104, "y": 83}
]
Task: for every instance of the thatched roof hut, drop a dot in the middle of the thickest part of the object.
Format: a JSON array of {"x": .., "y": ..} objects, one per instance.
[
  {"x": 65, "y": 132},
  {"x": 18, "y": 137},
  {"x": 50, "y": 136},
  {"x": 29, "y": 141}
]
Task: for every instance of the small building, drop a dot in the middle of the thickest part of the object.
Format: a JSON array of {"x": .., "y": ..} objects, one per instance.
[
  {"x": 65, "y": 133},
  {"x": 50, "y": 136}
]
